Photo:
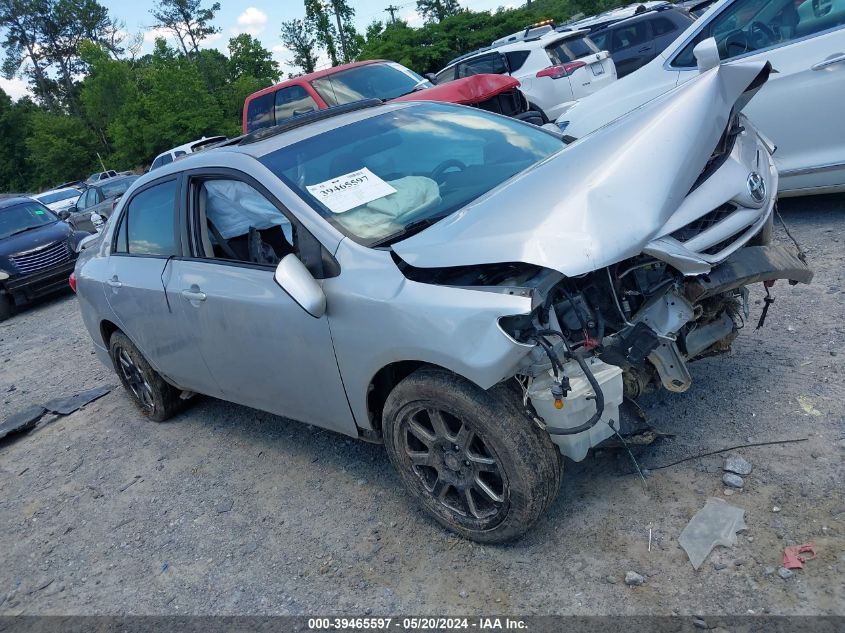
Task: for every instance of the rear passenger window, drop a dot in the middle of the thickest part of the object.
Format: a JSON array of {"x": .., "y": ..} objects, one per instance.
[
  {"x": 149, "y": 221},
  {"x": 293, "y": 101},
  {"x": 568, "y": 50},
  {"x": 445, "y": 75},
  {"x": 486, "y": 64},
  {"x": 628, "y": 36},
  {"x": 661, "y": 26},
  {"x": 259, "y": 113},
  {"x": 516, "y": 59}
]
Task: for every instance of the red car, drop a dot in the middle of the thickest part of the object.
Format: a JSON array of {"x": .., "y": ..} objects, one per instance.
[{"x": 379, "y": 79}]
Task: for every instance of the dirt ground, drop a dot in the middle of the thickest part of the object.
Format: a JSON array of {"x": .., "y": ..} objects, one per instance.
[{"x": 228, "y": 510}]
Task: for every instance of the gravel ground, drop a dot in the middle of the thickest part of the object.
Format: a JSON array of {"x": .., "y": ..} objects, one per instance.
[{"x": 227, "y": 510}]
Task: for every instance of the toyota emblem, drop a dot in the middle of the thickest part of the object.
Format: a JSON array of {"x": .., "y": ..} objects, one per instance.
[{"x": 756, "y": 186}]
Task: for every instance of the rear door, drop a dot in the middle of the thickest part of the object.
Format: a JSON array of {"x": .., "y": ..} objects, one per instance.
[
  {"x": 800, "y": 106},
  {"x": 632, "y": 46},
  {"x": 489, "y": 63},
  {"x": 139, "y": 269}
]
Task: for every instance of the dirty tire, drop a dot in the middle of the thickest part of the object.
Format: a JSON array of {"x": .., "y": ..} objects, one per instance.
[
  {"x": 469, "y": 456},
  {"x": 5, "y": 307},
  {"x": 156, "y": 399}
]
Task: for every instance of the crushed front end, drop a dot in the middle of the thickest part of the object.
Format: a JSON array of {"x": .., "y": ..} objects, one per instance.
[{"x": 635, "y": 325}]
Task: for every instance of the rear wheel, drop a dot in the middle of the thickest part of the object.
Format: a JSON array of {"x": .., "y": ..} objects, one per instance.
[
  {"x": 474, "y": 462},
  {"x": 156, "y": 399}
]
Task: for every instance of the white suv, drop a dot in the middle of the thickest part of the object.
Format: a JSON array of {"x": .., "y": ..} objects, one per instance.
[{"x": 554, "y": 68}]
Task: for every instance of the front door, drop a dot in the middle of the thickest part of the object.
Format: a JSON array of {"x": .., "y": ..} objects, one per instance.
[{"x": 261, "y": 347}]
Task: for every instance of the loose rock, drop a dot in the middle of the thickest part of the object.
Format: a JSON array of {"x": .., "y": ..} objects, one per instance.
[
  {"x": 738, "y": 465},
  {"x": 633, "y": 579},
  {"x": 733, "y": 481},
  {"x": 785, "y": 573}
]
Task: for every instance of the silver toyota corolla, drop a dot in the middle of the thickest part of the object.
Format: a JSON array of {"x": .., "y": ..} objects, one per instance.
[{"x": 477, "y": 293}]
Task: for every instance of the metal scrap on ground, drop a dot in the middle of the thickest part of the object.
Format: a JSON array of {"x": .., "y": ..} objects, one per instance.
[
  {"x": 21, "y": 421},
  {"x": 715, "y": 524}
]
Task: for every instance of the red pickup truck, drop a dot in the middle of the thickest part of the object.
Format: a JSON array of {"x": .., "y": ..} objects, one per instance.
[{"x": 379, "y": 79}]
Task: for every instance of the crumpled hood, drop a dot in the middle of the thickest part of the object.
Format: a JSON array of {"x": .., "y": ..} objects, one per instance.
[{"x": 605, "y": 196}]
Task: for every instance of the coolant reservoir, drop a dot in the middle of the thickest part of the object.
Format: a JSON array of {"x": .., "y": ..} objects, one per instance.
[{"x": 577, "y": 409}]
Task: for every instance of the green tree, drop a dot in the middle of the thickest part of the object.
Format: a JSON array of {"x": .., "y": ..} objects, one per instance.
[
  {"x": 298, "y": 37},
  {"x": 21, "y": 45},
  {"x": 59, "y": 147},
  {"x": 332, "y": 24},
  {"x": 248, "y": 57},
  {"x": 437, "y": 10},
  {"x": 188, "y": 20},
  {"x": 15, "y": 119}
]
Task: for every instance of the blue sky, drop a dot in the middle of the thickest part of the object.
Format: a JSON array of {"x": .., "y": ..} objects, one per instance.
[{"x": 260, "y": 18}]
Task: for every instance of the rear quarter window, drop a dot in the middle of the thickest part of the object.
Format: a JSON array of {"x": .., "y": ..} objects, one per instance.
[
  {"x": 259, "y": 113},
  {"x": 516, "y": 59}
]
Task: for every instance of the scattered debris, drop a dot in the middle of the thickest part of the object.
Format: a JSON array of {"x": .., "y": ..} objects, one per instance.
[
  {"x": 769, "y": 571},
  {"x": 792, "y": 555},
  {"x": 225, "y": 505},
  {"x": 807, "y": 405},
  {"x": 725, "y": 450},
  {"x": 775, "y": 508},
  {"x": 610, "y": 580},
  {"x": 136, "y": 479},
  {"x": 715, "y": 524},
  {"x": 67, "y": 405},
  {"x": 733, "y": 481},
  {"x": 738, "y": 465},
  {"x": 633, "y": 579},
  {"x": 699, "y": 623},
  {"x": 784, "y": 573},
  {"x": 22, "y": 421}
]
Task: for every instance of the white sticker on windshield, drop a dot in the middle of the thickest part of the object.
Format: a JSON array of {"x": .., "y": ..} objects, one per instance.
[{"x": 350, "y": 190}]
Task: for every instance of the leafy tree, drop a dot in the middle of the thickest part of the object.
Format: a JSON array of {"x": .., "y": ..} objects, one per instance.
[
  {"x": 298, "y": 37},
  {"x": 248, "y": 57},
  {"x": 59, "y": 148},
  {"x": 332, "y": 24},
  {"x": 15, "y": 173},
  {"x": 437, "y": 10},
  {"x": 187, "y": 20},
  {"x": 22, "y": 47}
]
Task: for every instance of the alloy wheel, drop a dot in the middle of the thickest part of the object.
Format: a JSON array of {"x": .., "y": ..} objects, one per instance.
[
  {"x": 138, "y": 385},
  {"x": 454, "y": 464}
]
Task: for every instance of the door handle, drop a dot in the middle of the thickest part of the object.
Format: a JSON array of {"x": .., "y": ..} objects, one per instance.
[
  {"x": 836, "y": 59},
  {"x": 114, "y": 282},
  {"x": 194, "y": 294}
]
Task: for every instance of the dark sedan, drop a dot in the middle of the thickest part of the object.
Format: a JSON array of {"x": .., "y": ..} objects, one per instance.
[
  {"x": 98, "y": 198},
  {"x": 37, "y": 252}
]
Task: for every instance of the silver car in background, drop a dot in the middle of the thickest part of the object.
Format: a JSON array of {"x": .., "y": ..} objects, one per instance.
[{"x": 469, "y": 289}]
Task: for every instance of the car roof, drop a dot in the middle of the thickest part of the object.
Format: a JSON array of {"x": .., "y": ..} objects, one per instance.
[
  {"x": 117, "y": 178},
  {"x": 315, "y": 75},
  {"x": 539, "y": 41},
  {"x": 648, "y": 13},
  {"x": 59, "y": 190},
  {"x": 11, "y": 202},
  {"x": 190, "y": 145}
]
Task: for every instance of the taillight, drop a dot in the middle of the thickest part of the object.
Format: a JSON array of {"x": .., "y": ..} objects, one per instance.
[
  {"x": 561, "y": 70},
  {"x": 72, "y": 281}
]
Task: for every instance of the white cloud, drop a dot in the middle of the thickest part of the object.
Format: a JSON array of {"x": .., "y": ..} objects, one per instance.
[
  {"x": 151, "y": 35},
  {"x": 15, "y": 88},
  {"x": 251, "y": 21},
  {"x": 413, "y": 18}
]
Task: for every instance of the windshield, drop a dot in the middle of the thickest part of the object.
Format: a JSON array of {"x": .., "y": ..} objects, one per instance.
[
  {"x": 376, "y": 177},
  {"x": 50, "y": 198},
  {"x": 111, "y": 189},
  {"x": 22, "y": 217},
  {"x": 373, "y": 81}
]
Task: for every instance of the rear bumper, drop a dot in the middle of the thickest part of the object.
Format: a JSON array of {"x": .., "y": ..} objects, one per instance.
[{"x": 28, "y": 287}]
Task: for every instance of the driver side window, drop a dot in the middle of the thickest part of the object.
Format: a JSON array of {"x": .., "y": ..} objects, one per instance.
[
  {"x": 750, "y": 25},
  {"x": 236, "y": 222}
]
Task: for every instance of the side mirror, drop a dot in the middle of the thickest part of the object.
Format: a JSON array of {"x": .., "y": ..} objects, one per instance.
[
  {"x": 64, "y": 214},
  {"x": 293, "y": 277},
  {"x": 706, "y": 54},
  {"x": 431, "y": 77}
]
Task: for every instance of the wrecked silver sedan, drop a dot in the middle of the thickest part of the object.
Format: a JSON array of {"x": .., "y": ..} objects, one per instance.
[{"x": 477, "y": 293}]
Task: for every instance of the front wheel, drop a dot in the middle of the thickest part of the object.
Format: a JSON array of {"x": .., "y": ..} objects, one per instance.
[{"x": 473, "y": 461}]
